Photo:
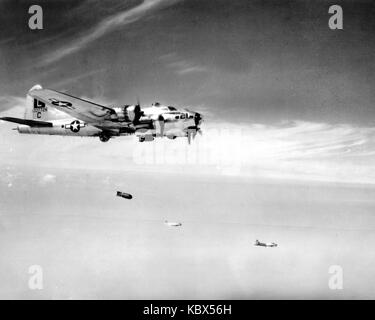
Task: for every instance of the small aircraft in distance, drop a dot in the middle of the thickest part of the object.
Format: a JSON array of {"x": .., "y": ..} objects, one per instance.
[
  {"x": 124, "y": 195},
  {"x": 52, "y": 112},
  {"x": 173, "y": 224},
  {"x": 264, "y": 244}
]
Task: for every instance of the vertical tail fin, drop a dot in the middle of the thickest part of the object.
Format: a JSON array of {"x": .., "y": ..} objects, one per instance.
[{"x": 35, "y": 109}]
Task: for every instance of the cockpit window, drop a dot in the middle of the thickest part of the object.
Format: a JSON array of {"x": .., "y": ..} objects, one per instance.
[{"x": 172, "y": 108}]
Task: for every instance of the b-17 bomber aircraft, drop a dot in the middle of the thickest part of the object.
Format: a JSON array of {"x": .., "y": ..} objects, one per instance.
[
  {"x": 56, "y": 113},
  {"x": 264, "y": 244},
  {"x": 172, "y": 224}
]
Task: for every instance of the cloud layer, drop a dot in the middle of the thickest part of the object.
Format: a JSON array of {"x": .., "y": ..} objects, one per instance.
[
  {"x": 109, "y": 24},
  {"x": 296, "y": 150}
]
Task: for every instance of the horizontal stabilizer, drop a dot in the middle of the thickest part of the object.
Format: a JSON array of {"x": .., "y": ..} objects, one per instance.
[{"x": 31, "y": 123}]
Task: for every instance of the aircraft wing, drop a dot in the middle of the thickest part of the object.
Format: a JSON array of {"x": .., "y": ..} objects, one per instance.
[
  {"x": 31, "y": 123},
  {"x": 85, "y": 110}
]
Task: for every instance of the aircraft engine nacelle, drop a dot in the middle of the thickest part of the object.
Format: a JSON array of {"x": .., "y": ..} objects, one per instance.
[
  {"x": 147, "y": 137},
  {"x": 128, "y": 113}
]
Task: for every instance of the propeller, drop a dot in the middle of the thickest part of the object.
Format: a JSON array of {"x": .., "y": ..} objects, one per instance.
[
  {"x": 161, "y": 121},
  {"x": 137, "y": 112},
  {"x": 193, "y": 130},
  {"x": 189, "y": 136},
  {"x": 197, "y": 119}
]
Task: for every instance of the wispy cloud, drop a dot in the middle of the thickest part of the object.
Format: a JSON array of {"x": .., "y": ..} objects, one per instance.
[
  {"x": 181, "y": 66},
  {"x": 185, "y": 67},
  {"x": 300, "y": 150},
  {"x": 105, "y": 26},
  {"x": 297, "y": 151},
  {"x": 78, "y": 77},
  {"x": 6, "y": 41}
]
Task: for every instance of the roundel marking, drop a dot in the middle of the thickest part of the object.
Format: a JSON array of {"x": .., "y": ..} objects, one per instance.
[{"x": 75, "y": 126}]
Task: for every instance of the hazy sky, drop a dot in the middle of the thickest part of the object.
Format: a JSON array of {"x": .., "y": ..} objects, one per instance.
[{"x": 94, "y": 245}]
